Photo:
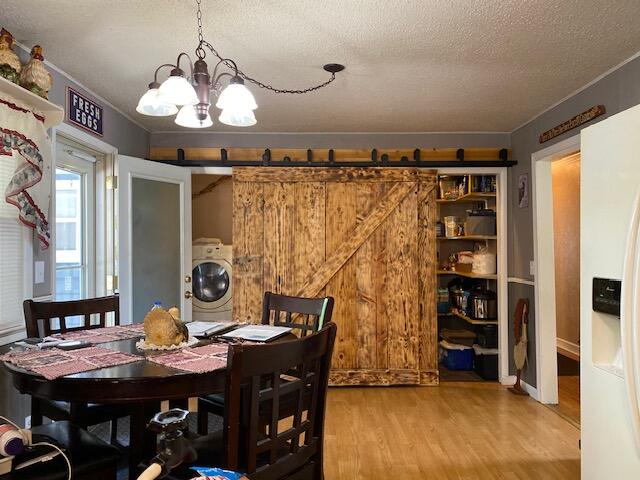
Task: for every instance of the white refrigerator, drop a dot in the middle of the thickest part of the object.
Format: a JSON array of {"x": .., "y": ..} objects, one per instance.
[{"x": 610, "y": 344}]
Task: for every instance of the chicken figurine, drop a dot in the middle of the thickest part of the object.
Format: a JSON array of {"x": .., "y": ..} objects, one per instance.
[
  {"x": 10, "y": 65},
  {"x": 162, "y": 329},
  {"x": 34, "y": 76}
]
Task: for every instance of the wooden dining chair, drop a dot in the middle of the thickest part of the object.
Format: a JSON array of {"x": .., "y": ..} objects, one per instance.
[
  {"x": 302, "y": 315},
  {"x": 292, "y": 405},
  {"x": 49, "y": 318}
]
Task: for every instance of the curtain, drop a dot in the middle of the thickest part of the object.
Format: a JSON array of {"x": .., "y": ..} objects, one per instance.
[{"x": 23, "y": 137}]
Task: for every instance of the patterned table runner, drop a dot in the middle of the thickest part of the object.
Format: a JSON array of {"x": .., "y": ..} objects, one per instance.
[
  {"x": 197, "y": 359},
  {"x": 103, "y": 335},
  {"x": 53, "y": 363}
]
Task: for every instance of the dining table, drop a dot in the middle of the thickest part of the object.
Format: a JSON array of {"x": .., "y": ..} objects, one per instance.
[{"x": 143, "y": 385}]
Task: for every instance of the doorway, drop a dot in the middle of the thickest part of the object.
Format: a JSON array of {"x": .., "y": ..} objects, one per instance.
[
  {"x": 565, "y": 176},
  {"x": 556, "y": 224}
]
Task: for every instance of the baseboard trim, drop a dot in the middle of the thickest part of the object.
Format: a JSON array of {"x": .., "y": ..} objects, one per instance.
[
  {"x": 568, "y": 349},
  {"x": 510, "y": 380}
]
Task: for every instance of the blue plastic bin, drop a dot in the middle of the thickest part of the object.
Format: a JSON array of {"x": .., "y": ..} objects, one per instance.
[{"x": 458, "y": 359}]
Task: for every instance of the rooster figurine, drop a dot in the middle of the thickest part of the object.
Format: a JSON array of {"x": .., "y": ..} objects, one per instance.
[
  {"x": 10, "y": 65},
  {"x": 34, "y": 76}
]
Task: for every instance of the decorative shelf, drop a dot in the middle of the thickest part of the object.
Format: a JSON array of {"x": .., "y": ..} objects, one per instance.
[
  {"x": 470, "y": 237},
  {"x": 467, "y": 274},
  {"x": 470, "y": 197},
  {"x": 53, "y": 114},
  {"x": 473, "y": 321}
]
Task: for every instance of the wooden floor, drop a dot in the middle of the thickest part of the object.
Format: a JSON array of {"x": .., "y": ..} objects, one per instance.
[
  {"x": 456, "y": 431},
  {"x": 568, "y": 398}
]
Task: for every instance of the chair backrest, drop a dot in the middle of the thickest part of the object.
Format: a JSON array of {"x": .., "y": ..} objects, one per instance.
[
  {"x": 304, "y": 315},
  {"x": 36, "y": 313},
  {"x": 266, "y": 384}
]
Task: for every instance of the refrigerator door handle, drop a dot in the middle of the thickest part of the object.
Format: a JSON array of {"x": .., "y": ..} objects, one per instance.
[{"x": 630, "y": 320}]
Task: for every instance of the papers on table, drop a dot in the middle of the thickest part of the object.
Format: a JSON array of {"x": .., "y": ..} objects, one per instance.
[
  {"x": 206, "y": 329},
  {"x": 258, "y": 333}
]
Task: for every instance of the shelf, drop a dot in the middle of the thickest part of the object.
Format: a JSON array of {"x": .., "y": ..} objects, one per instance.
[
  {"x": 467, "y": 275},
  {"x": 470, "y": 237},
  {"x": 473, "y": 321},
  {"x": 52, "y": 113},
  {"x": 470, "y": 197}
]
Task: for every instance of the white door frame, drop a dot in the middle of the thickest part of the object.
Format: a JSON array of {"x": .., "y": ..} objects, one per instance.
[
  {"x": 544, "y": 265},
  {"x": 110, "y": 153}
]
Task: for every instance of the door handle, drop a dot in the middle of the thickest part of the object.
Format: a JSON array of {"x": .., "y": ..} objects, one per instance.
[{"x": 188, "y": 294}]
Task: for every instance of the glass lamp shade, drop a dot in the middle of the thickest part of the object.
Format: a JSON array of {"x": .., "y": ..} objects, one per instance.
[
  {"x": 237, "y": 117},
  {"x": 187, "y": 118},
  {"x": 177, "y": 90},
  {"x": 236, "y": 97},
  {"x": 150, "y": 104}
]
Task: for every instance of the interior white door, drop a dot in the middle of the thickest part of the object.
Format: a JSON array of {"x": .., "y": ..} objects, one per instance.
[{"x": 154, "y": 236}]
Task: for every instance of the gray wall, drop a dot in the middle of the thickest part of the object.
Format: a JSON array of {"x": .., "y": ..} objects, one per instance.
[
  {"x": 617, "y": 92},
  {"x": 119, "y": 131},
  {"x": 329, "y": 140}
]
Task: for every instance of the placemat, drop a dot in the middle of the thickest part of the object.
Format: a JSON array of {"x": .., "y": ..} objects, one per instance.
[
  {"x": 53, "y": 363},
  {"x": 105, "y": 334},
  {"x": 196, "y": 360}
]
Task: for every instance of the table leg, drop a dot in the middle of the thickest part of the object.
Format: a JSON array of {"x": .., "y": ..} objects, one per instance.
[{"x": 142, "y": 446}]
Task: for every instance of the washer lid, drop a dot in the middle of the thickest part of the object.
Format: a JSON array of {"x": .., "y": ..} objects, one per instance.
[{"x": 210, "y": 281}]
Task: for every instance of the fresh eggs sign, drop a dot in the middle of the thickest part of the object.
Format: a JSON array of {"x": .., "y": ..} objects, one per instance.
[{"x": 83, "y": 112}]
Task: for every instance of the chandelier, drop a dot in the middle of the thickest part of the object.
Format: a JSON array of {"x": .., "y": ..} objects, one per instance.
[{"x": 190, "y": 96}]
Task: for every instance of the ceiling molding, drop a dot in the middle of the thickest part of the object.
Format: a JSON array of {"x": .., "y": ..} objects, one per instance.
[
  {"x": 211, "y": 132},
  {"x": 579, "y": 90},
  {"x": 100, "y": 98}
]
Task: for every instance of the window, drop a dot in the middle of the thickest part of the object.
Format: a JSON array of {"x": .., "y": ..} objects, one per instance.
[
  {"x": 75, "y": 212},
  {"x": 12, "y": 257}
]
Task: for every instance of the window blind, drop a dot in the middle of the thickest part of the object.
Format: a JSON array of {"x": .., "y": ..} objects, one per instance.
[{"x": 11, "y": 256}]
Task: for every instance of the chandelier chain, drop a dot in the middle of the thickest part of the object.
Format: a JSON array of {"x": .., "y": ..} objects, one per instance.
[{"x": 200, "y": 53}]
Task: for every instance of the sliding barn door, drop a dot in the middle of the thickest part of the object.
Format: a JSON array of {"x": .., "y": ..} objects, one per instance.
[{"x": 364, "y": 236}]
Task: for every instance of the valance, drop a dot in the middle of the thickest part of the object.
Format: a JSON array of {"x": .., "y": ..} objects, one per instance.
[{"x": 23, "y": 136}]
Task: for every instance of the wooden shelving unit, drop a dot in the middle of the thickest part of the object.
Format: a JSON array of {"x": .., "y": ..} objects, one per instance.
[
  {"x": 497, "y": 244},
  {"x": 469, "y": 197},
  {"x": 472, "y": 321},
  {"x": 53, "y": 114},
  {"x": 469, "y": 237},
  {"x": 467, "y": 275}
]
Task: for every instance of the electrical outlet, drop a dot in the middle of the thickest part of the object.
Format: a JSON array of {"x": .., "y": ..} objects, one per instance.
[
  {"x": 39, "y": 272},
  {"x": 532, "y": 267}
]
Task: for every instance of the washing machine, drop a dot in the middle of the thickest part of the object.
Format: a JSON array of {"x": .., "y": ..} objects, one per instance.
[{"x": 211, "y": 280}]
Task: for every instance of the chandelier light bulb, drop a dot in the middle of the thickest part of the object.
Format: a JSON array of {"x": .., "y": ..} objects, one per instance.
[
  {"x": 237, "y": 117},
  {"x": 187, "y": 117},
  {"x": 177, "y": 90},
  {"x": 236, "y": 97},
  {"x": 150, "y": 104}
]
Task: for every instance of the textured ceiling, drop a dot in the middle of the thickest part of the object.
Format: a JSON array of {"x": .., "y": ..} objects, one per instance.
[{"x": 412, "y": 66}]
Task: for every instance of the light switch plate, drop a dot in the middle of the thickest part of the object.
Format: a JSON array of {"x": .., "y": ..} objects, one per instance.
[
  {"x": 532, "y": 267},
  {"x": 39, "y": 272}
]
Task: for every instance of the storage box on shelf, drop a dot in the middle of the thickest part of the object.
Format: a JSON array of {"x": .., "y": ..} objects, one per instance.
[{"x": 466, "y": 201}]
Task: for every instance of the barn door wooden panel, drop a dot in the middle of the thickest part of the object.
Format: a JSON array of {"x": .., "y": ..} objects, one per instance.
[{"x": 359, "y": 235}]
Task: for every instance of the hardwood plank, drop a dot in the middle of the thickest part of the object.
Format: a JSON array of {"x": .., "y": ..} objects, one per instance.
[
  {"x": 368, "y": 264},
  {"x": 378, "y": 377},
  {"x": 340, "y": 253},
  {"x": 309, "y": 231},
  {"x": 340, "y": 281},
  {"x": 332, "y": 174},
  {"x": 279, "y": 238},
  {"x": 427, "y": 265},
  {"x": 457, "y": 431},
  {"x": 401, "y": 283},
  {"x": 248, "y": 249}
]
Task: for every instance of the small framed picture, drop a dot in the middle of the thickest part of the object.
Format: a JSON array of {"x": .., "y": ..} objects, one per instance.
[{"x": 523, "y": 190}]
